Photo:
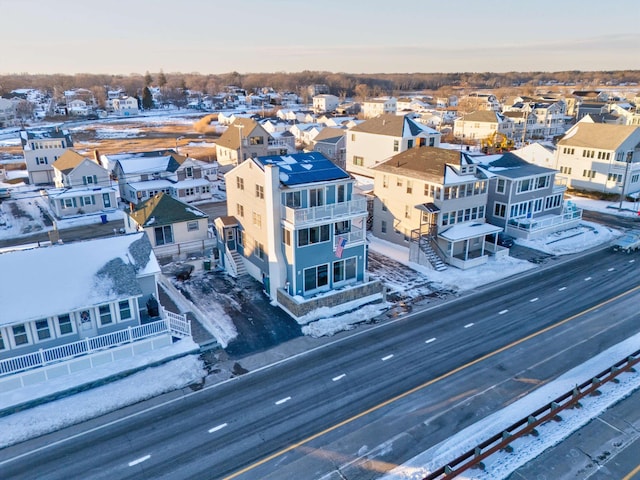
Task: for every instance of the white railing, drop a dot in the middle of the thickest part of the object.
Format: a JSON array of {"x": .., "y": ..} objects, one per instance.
[
  {"x": 297, "y": 216},
  {"x": 355, "y": 235},
  {"x": 530, "y": 225},
  {"x": 173, "y": 324},
  {"x": 184, "y": 247}
]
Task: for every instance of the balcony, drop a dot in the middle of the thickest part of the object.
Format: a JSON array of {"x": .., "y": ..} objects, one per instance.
[
  {"x": 560, "y": 184},
  {"x": 334, "y": 211},
  {"x": 356, "y": 235},
  {"x": 531, "y": 228}
]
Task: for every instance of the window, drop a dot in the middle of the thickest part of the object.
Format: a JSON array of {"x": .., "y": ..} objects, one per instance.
[
  {"x": 432, "y": 141},
  {"x": 396, "y": 145},
  {"x": 316, "y": 277},
  {"x": 256, "y": 140},
  {"x": 42, "y": 329},
  {"x": 316, "y": 197},
  {"x": 589, "y": 173},
  {"x": 635, "y": 177},
  {"x": 383, "y": 205},
  {"x": 293, "y": 199},
  {"x": 105, "y": 315},
  {"x": 358, "y": 161},
  {"x": 409, "y": 186},
  {"x": 258, "y": 251},
  {"x": 20, "y": 336},
  {"x": 240, "y": 210},
  {"x": 614, "y": 177},
  {"x": 341, "y": 197},
  {"x": 410, "y": 143},
  {"x": 398, "y": 182},
  {"x": 125, "y": 309},
  {"x": 553, "y": 201},
  {"x": 2, "y": 347},
  {"x": 164, "y": 235},
  {"x": 385, "y": 181},
  {"x": 259, "y": 191},
  {"x": 188, "y": 171},
  {"x": 342, "y": 227},
  {"x": 565, "y": 170},
  {"x": 383, "y": 226},
  {"x": 192, "y": 226},
  {"x": 501, "y": 185},
  {"x": 240, "y": 183},
  {"x": 286, "y": 236},
  {"x": 64, "y": 324},
  {"x": 87, "y": 200},
  {"x": 407, "y": 211},
  {"x": 309, "y": 236},
  {"x": 257, "y": 219},
  {"x": 353, "y": 137},
  {"x": 344, "y": 270}
]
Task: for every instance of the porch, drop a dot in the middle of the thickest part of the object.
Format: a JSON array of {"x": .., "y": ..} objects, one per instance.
[
  {"x": 464, "y": 244},
  {"x": 532, "y": 228}
]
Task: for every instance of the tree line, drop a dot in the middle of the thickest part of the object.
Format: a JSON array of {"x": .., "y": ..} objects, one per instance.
[{"x": 340, "y": 84}]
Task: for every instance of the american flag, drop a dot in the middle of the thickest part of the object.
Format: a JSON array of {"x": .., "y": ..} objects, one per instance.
[{"x": 340, "y": 248}]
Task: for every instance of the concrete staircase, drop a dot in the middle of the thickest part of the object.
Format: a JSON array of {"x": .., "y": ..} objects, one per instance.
[{"x": 239, "y": 269}]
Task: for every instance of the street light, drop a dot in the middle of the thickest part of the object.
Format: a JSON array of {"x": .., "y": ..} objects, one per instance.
[{"x": 179, "y": 138}]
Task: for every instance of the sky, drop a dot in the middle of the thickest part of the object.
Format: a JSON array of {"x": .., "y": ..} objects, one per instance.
[{"x": 250, "y": 36}]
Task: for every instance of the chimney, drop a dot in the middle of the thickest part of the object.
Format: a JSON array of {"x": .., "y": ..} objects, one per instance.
[
  {"x": 131, "y": 207},
  {"x": 96, "y": 156}
]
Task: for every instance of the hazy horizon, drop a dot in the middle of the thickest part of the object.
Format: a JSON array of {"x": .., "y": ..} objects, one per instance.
[{"x": 291, "y": 36}]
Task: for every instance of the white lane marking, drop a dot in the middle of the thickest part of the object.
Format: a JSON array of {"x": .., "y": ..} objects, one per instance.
[
  {"x": 631, "y": 261},
  {"x": 139, "y": 460},
  {"x": 431, "y": 340},
  {"x": 562, "y": 288},
  {"x": 280, "y": 402},
  {"x": 611, "y": 269},
  {"x": 468, "y": 325},
  {"x": 339, "y": 377},
  {"x": 502, "y": 312},
  {"x": 219, "y": 427},
  {"x": 534, "y": 299},
  {"x": 388, "y": 357},
  {"x": 587, "y": 279}
]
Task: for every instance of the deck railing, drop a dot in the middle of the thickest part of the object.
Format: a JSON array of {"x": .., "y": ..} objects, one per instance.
[{"x": 174, "y": 324}]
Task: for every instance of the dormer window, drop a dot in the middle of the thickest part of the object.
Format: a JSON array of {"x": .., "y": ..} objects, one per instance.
[{"x": 189, "y": 171}]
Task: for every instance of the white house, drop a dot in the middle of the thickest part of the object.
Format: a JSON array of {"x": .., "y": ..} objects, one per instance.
[
  {"x": 601, "y": 157},
  {"x": 482, "y": 124},
  {"x": 41, "y": 148},
  {"x": 378, "y": 139},
  {"x": 125, "y": 106},
  {"x": 325, "y": 103},
  {"x": 379, "y": 106},
  {"x": 83, "y": 186},
  {"x": 85, "y": 304}
]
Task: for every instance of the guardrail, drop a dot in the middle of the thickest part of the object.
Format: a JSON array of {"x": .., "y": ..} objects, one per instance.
[{"x": 527, "y": 425}]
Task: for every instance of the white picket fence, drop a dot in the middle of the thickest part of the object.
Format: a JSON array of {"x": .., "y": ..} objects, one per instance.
[{"x": 174, "y": 324}]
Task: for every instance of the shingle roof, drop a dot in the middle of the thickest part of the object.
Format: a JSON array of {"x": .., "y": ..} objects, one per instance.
[
  {"x": 46, "y": 134},
  {"x": 302, "y": 168},
  {"x": 510, "y": 165},
  {"x": 162, "y": 209},
  {"x": 488, "y": 116},
  {"x": 68, "y": 161},
  {"x": 425, "y": 163},
  {"x": 598, "y": 135},
  {"x": 391, "y": 125},
  {"x": 231, "y": 138},
  {"x": 329, "y": 132}
]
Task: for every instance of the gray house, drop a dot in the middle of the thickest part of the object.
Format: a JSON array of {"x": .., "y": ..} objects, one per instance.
[{"x": 526, "y": 200}]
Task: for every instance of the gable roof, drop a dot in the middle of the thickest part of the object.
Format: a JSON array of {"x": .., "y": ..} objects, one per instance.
[
  {"x": 73, "y": 276},
  {"x": 329, "y": 132},
  {"x": 393, "y": 126},
  {"x": 162, "y": 209},
  {"x": 487, "y": 116},
  {"x": 149, "y": 162},
  {"x": 68, "y": 161},
  {"x": 301, "y": 168},
  {"x": 509, "y": 165},
  {"x": 231, "y": 138},
  {"x": 598, "y": 135},
  {"x": 50, "y": 133},
  {"x": 424, "y": 163}
]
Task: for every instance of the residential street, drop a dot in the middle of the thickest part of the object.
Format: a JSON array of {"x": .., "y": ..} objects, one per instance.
[{"x": 218, "y": 430}]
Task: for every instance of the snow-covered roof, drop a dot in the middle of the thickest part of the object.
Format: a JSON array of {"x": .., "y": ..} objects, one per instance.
[
  {"x": 60, "y": 193},
  {"x": 60, "y": 279},
  {"x": 148, "y": 184},
  {"x": 465, "y": 231}
]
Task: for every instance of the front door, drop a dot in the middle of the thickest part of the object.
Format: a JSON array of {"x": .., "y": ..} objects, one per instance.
[
  {"x": 230, "y": 234},
  {"x": 106, "y": 199},
  {"x": 86, "y": 324}
]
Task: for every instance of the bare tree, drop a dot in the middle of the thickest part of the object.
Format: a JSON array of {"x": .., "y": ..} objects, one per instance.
[{"x": 24, "y": 112}]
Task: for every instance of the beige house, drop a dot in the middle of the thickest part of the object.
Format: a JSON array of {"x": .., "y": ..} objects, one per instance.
[
  {"x": 601, "y": 157},
  {"x": 82, "y": 186},
  {"x": 378, "y": 139},
  {"x": 481, "y": 125},
  {"x": 433, "y": 201},
  {"x": 379, "y": 106},
  {"x": 325, "y": 103},
  {"x": 244, "y": 139}
]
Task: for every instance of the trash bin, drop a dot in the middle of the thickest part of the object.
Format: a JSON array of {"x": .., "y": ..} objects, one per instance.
[
  {"x": 103, "y": 218},
  {"x": 206, "y": 264}
]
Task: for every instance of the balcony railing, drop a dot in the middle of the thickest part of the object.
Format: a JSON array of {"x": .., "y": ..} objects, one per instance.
[
  {"x": 173, "y": 324},
  {"x": 298, "y": 216},
  {"x": 571, "y": 215},
  {"x": 354, "y": 236}
]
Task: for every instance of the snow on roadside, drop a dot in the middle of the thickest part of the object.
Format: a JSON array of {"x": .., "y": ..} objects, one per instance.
[
  {"x": 586, "y": 235},
  {"x": 527, "y": 448},
  {"x": 58, "y": 414}
]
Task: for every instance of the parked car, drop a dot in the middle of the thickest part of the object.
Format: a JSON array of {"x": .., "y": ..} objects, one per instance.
[
  {"x": 504, "y": 240},
  {"x": 5, "y": 192}
]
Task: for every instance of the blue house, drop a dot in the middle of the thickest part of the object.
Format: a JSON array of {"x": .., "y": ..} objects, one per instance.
[{"x": 296, "y": 225}]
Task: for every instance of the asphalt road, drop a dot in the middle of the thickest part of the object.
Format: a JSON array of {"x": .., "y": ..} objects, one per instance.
[{"x": 411, "y": 383}]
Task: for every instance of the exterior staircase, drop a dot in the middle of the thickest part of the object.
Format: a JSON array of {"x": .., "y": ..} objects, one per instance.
[
  {"x": 239, "y": 269},
  {"x": 434, "y": 259}
]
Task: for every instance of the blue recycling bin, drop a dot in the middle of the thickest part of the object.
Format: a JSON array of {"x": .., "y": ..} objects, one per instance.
[{"x": 103, "y": 218}]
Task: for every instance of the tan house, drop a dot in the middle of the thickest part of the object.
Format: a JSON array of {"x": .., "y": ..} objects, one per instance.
[
  {"x": 433, "y": 201},
  {"x": 481, "y": 125},
  {"x": 244, "y": 139},
  {"x": 82, "y": 186}
]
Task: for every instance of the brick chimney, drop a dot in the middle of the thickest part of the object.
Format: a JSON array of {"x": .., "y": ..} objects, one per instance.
[{"x": 96, "y": 156}]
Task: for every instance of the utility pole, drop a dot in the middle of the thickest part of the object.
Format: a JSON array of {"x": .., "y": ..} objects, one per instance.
[
  {"x": 624, "y": 180},
  {"x": 240, "y": 157}
]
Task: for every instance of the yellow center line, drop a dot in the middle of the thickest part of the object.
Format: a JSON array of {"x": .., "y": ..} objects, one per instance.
[
  {"x": 426, "y": 384},
  {"x": 631, "y": 474}
]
